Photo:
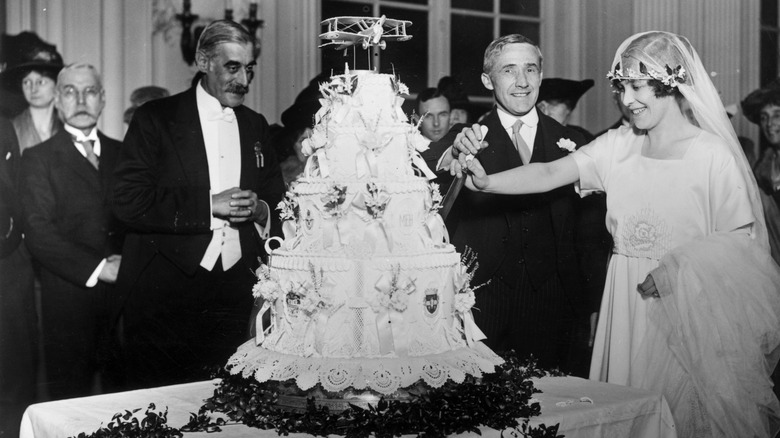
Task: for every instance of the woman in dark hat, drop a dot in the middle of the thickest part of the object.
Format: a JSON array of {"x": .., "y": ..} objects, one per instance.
[
  {"x": 459, "y": 100},
  {"x": 140, "y": 96},
  {"x": 762, "y": 107},
  {"x": 31, "y": 67},
  {"x": 298, "y": 121},
  {"x": 558, "y": 98}
]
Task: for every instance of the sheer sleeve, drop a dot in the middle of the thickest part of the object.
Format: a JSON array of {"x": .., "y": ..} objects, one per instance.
[
  {"x": 731, "y": 208},
  {"x": 594, "y": 161}
]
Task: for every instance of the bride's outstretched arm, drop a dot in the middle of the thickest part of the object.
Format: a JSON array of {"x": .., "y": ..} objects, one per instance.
[{"x": 530, "y": 178}]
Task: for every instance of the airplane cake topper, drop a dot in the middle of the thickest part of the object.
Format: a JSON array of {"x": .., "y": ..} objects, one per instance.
[{"x": 365, "y": 31}]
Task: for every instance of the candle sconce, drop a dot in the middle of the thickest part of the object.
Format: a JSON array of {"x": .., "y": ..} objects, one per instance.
[{"x": 190, "y": 35}]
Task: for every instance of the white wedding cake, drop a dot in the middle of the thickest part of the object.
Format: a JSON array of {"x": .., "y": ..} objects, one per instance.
[{"x": 365, "y": 290}]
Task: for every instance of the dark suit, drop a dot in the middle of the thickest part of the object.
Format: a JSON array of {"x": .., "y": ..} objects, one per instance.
[
  {"x": 18, "y": 333},
  {"x": 69, "y": 229},
  {"x": 180, "y": 317},
  {"x": 525, "y": 248}
]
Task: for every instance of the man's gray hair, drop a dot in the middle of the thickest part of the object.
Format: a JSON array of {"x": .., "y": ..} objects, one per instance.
[
  {"x": 495, "y": 47},
  {"x": 81, "y": 66},
  {"x": 220, "y": 32}
]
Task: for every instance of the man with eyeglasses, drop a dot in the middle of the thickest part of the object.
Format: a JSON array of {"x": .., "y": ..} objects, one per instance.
[
  {"x": 70, "y": 231},
  {"x": 196, "y": 183}
]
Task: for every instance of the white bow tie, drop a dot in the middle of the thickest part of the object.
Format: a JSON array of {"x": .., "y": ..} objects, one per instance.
[{"x": 226, "y": 114}]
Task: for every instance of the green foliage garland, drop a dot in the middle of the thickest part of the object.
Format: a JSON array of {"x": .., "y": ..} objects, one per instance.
[{"x": 497, "y": 400}]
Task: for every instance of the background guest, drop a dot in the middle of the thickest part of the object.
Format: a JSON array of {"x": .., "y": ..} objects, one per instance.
[
  {"x": 748, "y": 147},
  {"x": 558, "y": 99},
  {"x": 762, "y": 107},
  {"x": 70, "y": 231},
  {"x": 525, "y": 244},
  {"x": 433, "y": 111},
  {"x": 298, "y": 121},
  {"x": 625, "y": 114},
  {"x": 194, "y": 182},
  {"x": 459, "y": 101},
  {"x": 32, "y": 67},
  {"x": 18, "y": 328},
  {"x": 140, "y": 96}
]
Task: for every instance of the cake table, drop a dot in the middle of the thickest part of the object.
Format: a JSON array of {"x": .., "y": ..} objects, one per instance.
[{"x": 583, "y": 408}]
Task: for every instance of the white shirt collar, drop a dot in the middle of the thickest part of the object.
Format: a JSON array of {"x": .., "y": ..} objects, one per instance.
[
  {"x": 209, "y": 107},
  {"x": 530, "y": 119},
  {"x": 79, "y": 135}
]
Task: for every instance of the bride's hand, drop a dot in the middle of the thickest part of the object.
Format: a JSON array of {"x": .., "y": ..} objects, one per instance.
[
  {"x": 471, "y": 168},
  {"x": 647, "y": 288}
]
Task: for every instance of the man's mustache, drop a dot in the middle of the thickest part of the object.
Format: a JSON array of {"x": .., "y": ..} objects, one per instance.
[{"x": 237, "y": 89}]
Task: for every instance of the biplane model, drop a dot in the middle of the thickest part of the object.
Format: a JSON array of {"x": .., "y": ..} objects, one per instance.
[{"x": 366, "y": 31}]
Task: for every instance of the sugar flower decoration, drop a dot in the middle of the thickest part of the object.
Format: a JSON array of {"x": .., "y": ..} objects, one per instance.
[
  {"x": 288, "y": 207},
  {"x": 266, "y": 287},
  {"x": 464, "y": 292},
  {"x": 393, "y": 292},
  {"x": 334, "y": 199},
  {"x": 309, "y": 296},
  {"x": 376, "y": 201},
  {"x": 567, "y": 145},
  {"x": 671, "y": 77},
  {"x": 436, "y": 198}
]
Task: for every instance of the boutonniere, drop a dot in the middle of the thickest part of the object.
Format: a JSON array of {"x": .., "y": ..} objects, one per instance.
[{"x": 567, "y": 145}]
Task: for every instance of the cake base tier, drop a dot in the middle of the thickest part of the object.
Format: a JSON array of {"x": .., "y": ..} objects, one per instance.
[
  {"x": 291, "y": 398},
  {"x": 384, "y": 374}
]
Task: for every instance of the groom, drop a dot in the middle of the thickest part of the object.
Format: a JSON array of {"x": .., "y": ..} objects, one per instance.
[{"x": 525, "y": 245}]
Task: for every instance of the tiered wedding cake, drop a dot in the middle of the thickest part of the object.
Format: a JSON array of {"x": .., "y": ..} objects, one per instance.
[{"x": 365, "y": 291}]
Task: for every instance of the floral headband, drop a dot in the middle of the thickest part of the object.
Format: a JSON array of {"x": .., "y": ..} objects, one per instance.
[{"x": 672, "y": 77}]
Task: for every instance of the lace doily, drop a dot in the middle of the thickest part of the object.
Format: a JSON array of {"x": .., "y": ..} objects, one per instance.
[{"x": 381, "y": 374}]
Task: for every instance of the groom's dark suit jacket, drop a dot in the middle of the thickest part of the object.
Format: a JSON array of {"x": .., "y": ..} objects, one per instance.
[
  {"x": 525, "y": 246},
  {"x": 495, "y": 225},
  {"x": 162, "y": 185}
]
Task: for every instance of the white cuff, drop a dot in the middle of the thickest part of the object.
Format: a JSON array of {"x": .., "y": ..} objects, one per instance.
[
  {"x": 264, "y": 230},
  {"x": 216, "y": 223},
  {"x": 441, "y": 159},
  {"x": 93, "y": 279}
]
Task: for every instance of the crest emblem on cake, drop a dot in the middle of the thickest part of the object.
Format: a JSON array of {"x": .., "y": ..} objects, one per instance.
[{"x": 364, "y": 291}]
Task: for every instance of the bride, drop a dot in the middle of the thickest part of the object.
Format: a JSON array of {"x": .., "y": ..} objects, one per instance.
[{"x": 691, "y": 306}]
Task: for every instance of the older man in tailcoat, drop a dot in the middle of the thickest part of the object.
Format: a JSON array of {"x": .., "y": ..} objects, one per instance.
[{"x": 195, "y": 183}]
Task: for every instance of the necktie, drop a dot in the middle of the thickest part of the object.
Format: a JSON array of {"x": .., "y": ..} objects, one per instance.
[
  {"x": 88, "y": 149},
  {"x": 522, "y": 147}
]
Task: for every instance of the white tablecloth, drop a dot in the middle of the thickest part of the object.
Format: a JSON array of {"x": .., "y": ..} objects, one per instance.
[{"x": 615, "y": 411}]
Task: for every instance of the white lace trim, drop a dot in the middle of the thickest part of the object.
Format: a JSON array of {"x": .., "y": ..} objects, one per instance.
[{"x": 383, "y": 375}]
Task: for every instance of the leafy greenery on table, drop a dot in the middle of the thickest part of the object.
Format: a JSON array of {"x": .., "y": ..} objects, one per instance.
[{"x": 497, "y": 400}]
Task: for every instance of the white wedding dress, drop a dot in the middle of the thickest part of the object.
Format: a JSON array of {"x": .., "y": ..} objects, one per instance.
[{"x": 709, "y": 343}]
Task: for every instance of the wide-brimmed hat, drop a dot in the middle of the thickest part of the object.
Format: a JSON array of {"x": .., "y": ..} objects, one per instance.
[
  {"x": 757, "y": 99},
  {"x": 140, "y": 96},
  {"x": 453, "y": 90},
  {"x": 563, "y": 89},
  {"x": 25, "y": 52},
  {"x": 307, "y": 103}
]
